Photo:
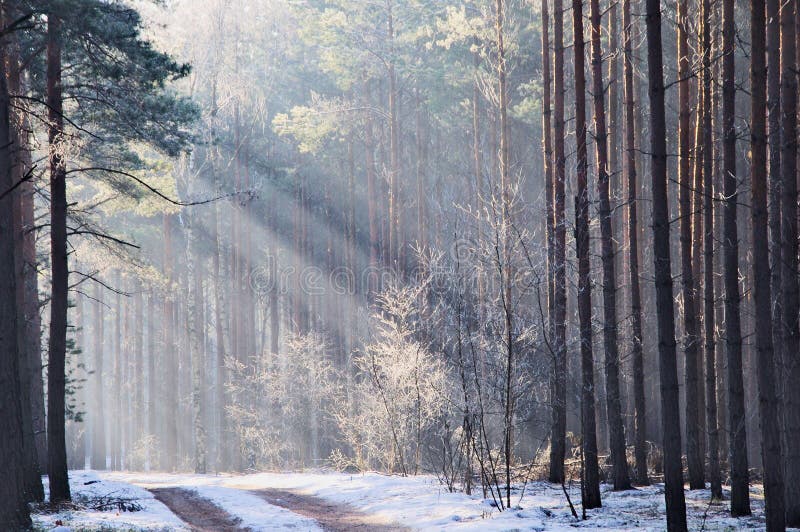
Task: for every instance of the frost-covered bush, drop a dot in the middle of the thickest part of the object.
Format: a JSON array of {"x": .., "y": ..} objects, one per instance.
[
  {"x": 279, "y": 404},
  {"x": 398, "y": 396}
]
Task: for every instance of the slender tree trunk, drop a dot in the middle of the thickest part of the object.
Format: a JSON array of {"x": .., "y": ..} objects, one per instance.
[
  {"x": 767, "y": 397},
  {"x": 591, "y": 474},
  {"x": 14, "y": 512},
  {"x": 422, "y": 205},
  {"x": 171, "y": 405},
  {"x": 558, "y": 384},
  {"x": 740, "y": 494},
  {"x": 774, "y": 182},
  {"x": 196, "y": 344},
  {"x": 98, "y": 411},
  {"x": 610, "y": 341},
  {"x": 667, "y": 353},
  {"x": 57, "y": 348},
  {"x": 694, "y": 457},
  {"x": 547, "y": 157},
  {"x": 137, "y": 412},
  {"x": 640, "y": 439},
  {"x": 790, "y": 291},
  {"x": 372, "y": 191},
  {"x": 394, "y": 150},
  {"x": 505, "y": 188},
  {"x": 152, "y": 381},
  {"x": 708, "y": 261},
  {"x": 116, "y": 406}
]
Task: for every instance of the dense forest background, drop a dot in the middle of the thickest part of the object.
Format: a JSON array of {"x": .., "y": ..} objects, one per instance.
[{"x": 409, "y": 236}]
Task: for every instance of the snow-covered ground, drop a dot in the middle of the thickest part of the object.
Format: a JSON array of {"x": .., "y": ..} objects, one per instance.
[
  {"x": 417, "y": 502},
  {"x": 88, "y": 485}
]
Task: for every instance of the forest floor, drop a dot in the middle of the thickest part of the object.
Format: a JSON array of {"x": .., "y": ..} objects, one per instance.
[{"x": 313, "y": 501}]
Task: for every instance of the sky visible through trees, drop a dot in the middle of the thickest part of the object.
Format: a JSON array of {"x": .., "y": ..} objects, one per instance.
[{"x": 495, "y": 242}]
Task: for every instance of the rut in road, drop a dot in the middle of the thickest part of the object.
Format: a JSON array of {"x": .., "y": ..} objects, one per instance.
[
  {"x": 332, "y": 517},
  {"x": 199, "y": 513}
]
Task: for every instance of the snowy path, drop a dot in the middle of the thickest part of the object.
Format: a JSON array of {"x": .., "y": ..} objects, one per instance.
[
  {"x": 199, "y": 513},
  {"x": 332, "y": 517}
]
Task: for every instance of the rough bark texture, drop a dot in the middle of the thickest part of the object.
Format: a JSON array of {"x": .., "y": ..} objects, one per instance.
[
  {"x": 616, "y": 429},
  {"x": 790, "y": 291},
  {"x": 30, "y": 366},
  {"x": 13, "y": 497},
  {"x": 637, "y": 355},
  {"x": 57, "y": 348},
  {"x": 709, "y": 317},
  {"x": 590, "y": 493},
  {"x": 740, "y": 494},
  {"x": 767, "y": 398},
  {"x": 559, "y": 384},
  {"x": 667, "y": 353},
  {"x": 694, "y": 457}
]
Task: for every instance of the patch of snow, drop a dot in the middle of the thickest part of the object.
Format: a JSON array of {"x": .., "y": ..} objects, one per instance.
[
  {"x": 255, "y": 513},
  {"x": 153, "y": 516}
]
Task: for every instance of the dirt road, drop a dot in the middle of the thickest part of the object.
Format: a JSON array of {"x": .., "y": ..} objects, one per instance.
[
  {"x": 200, "y": 514},
  {"x": 332, "y": 517}
]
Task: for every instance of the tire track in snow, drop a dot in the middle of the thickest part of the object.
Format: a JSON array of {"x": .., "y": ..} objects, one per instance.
[
  {"x": 333, "y": 517},
  {"x": 199, "y": 513}
]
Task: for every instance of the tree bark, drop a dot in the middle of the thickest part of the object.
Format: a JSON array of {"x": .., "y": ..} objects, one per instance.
[
  {"x": 57, "y": 348},
  {"x": 709, "y": 318},
  {"x": 790, "y": 291},
  {"x": 30, "y": 361},
  {"x": 590, "y": 493},
  {"x": 640, "y": 438},
  {"x": 14, "y": 512},
  {"x": 171, "y": 406},
  {"x": 740, "y": 494},
  {"x": 767, "y": 397},
  {"x": 558, "y": 383},
  {"x": 610, "y": 341},
  {"x": 667, "y": 353},
  {"x": 694, "y": 456},
  {"x": 97, "y": 412}
]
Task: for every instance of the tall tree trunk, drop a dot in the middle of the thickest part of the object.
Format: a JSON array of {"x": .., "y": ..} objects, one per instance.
[
  {"x": 547, "y": 158},
  {"x": 667, "y": 353},
  {"x": 98, "y": 410},
  {"x": 152, "y": 381},
  {"x": 196, "y": 329},
  {"x": 30, "y": 365},
  {"x": 640, "y": 438},
  {"x": 767, "y": 397},
  {"x": 171, "y": 406},
  {"x": 505, "y": 189},
  {"x": 694, "y": 456},
  {"x": 558, "y": 380},
  {"x": 57, "y": 348},
  {"x": 14, "y": 512},
  {"x": 422, "y": 204},
  {"x": 116, "y": 406},
  {"x": 221, "y": 377},
  {"x": 740, "y": 494},
  {"x": 372, "y": 194},
  {"x": 790, "y": 291},
  {"x": 137, "y": 412},
  {"x": 394, "y": 150},
  {"x": 591, "y": 474},
  {"x": 709, "y": 321},
  {"x": 613, "y": 406},
  {"x": 774, "y": 201}
]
